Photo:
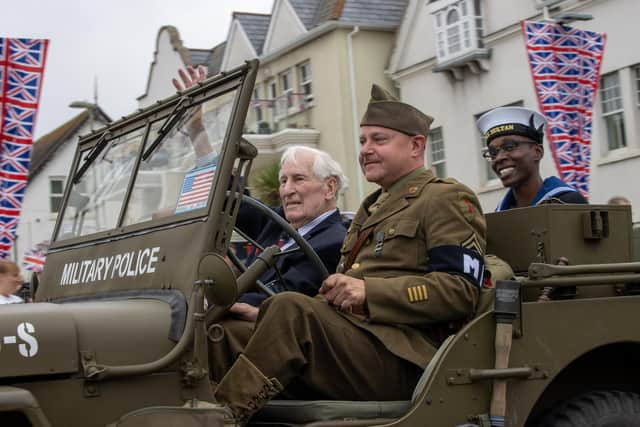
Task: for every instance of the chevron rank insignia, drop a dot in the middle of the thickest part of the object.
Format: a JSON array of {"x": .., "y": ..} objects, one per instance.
[
  {"x": 472, "y": 243},
  {"x": 417, "y": 293}
]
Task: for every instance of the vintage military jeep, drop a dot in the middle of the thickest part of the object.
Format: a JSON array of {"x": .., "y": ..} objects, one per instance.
[{"x": 118, "y": 334}]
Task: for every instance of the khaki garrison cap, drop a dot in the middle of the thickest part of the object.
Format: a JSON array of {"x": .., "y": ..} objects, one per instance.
[{"x": 387, "y": 111}]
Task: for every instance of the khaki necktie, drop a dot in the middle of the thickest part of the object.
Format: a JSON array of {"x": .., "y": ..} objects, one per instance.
[{"x": 378, "y": 203}]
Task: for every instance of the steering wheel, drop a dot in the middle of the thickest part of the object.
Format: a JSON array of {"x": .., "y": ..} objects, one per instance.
[{"x": 302, "y": 244}]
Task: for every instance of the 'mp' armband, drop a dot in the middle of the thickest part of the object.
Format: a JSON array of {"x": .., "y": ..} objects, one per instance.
[{"x": 459, "y": 261}]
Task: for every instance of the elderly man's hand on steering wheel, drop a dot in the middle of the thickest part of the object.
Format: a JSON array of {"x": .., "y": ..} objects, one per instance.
[{"x": 244, "y": 311}]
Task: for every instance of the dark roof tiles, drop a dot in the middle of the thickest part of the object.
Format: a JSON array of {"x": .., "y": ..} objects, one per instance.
[
  {"x": 313, "y": 13},
  {"x": 328, "y": 10},
  {"x": 199, "y": 56},
  {"x": 378, "y": 12},
  {"x": 384, "y": 12},
  {"x": 255, "y": 26},
  {"x": 45, "y": 147},
  {"x": 306, "y": 11}
]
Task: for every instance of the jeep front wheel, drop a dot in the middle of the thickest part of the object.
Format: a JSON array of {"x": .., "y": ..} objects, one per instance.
[{"x": 596, "y": 409}]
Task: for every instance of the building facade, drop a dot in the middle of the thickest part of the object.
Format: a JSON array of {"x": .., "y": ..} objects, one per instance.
[
  {"x": 456, "y": 59},
  {"x": 318, "y": 59},
  {"x": 169, "y": 55}
]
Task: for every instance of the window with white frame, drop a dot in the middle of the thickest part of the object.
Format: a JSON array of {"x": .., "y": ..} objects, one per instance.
[
  {"x": 458, "y": 25},
  {"x": 56, "y": 192},
  {"x": 454, "y": 28},
  {"x": 636, "y": 73},
  {"x": 304, "y": 77},
  {"x": 612, "y": 110},
  {"x": 436, "y": 152},
  {"x": 286, "y": 88}
]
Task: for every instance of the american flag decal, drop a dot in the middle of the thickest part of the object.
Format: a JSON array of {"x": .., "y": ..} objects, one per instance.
[
  {"x": 565, "y": 66},
  {"x": 22, "y": 64},
  {"x": 196, "y": 186}
]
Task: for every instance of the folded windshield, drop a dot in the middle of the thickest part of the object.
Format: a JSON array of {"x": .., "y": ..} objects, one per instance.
[{"x": 176, "y": 177}]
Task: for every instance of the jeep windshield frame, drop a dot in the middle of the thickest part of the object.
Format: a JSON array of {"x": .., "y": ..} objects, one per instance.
[{"x": 156, "y": 144}]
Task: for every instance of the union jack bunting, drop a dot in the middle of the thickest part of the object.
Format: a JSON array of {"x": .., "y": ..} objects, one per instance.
[
  {"x": 565, "y": 66},
  {"x": 22, "y": 64},
  {"x": 35, "y": 257}
]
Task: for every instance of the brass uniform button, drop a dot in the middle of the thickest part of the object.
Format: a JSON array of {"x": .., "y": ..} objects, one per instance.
[
  {"x": 413, "y": 189},
  {"x": 392, "y": 231},
  {"x": 355, "y": 266}
]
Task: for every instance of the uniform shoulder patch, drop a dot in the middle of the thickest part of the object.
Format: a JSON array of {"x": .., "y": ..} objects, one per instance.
[
  {"x": 473, "y": 243},
  {"x": 467, "y": 207}
]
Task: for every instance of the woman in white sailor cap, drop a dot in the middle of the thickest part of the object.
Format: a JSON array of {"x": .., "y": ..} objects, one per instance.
[{"x": 514, "y": 148}]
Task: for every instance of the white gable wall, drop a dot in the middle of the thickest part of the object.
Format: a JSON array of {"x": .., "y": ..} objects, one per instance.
[
  {"x": 238, "y": 49},
  {"x": 165, "y": 66},
  {"x": 500, "y": 14},
  {"x": 416, "y": 41},
  {"x": 285, "y": 26}
]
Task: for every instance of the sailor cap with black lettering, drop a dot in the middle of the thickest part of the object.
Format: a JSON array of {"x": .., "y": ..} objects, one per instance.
[{"x": 512, "y": 121}]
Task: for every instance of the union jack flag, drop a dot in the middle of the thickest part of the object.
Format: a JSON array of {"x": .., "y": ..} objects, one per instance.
[
  {"x": 24, "y": 85},
  {"x": 22, "y": 64},
  {"x": 565, "y": 66},
  {"x": 35, "y": 257}
]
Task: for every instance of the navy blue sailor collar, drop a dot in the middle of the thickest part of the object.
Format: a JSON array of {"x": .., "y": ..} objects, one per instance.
[{"x": 551, "y": 187}]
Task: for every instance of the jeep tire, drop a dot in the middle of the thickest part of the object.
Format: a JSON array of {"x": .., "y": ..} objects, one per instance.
[{"x": 596, "y": 409}]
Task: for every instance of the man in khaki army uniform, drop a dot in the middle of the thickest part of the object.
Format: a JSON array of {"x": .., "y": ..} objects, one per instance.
[{"x": 410, "y": 274}]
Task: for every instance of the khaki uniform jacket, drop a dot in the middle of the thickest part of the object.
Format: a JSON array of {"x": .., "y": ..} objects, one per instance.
[{"x": 405, "y": 301}]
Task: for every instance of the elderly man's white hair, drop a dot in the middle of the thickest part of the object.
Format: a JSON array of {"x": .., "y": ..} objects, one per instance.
[{"x": 323, "y": 165}]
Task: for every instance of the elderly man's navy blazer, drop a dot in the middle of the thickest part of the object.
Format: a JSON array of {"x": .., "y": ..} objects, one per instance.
[{"x": 297, "y": 270}]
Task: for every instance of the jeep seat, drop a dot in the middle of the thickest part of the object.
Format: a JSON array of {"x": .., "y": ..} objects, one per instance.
[
  {"x": 293, "y": 412},
  {"x": 302, "y": 411}
]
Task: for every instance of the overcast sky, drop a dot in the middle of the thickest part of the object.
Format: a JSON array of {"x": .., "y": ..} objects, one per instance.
[{"x": 112, "y": 41}]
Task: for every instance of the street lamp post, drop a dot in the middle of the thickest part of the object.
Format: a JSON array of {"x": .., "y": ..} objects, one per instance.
[{"x": 90, "y": 107}]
